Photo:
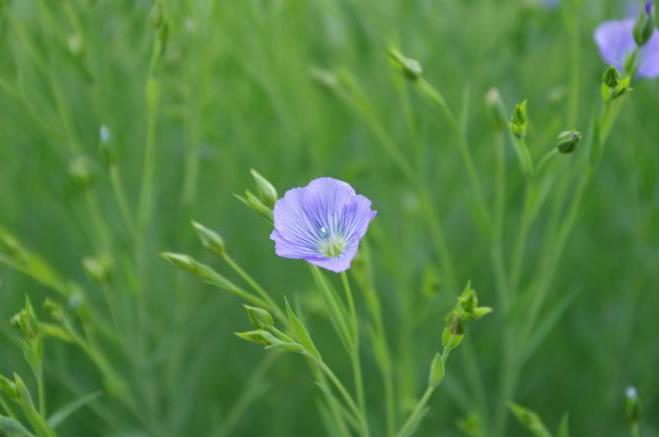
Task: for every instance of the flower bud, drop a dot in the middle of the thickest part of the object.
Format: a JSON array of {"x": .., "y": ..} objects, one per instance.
[
  {"x": 519, "y": 120},
  {"x": 437, "y": 371},
  {"x": 265, "y": 189},
  {"x": 468, "y": 300},
  {"x": 259, "y": 318},
  {"x": 255, "y": 204},
  {"x": 611, "y": 77},
  {"x": 211, "y": 240},
  {"x": 567, "y": 141},
  {"x": 287, "y": 347},
  {"x": 410, "y": 67},
  {"x": 453, "y": 331},
  {"x": 259, "y": 336},
  {"x": 26, "y": 322},
  {"x": 645, "y": 23}
]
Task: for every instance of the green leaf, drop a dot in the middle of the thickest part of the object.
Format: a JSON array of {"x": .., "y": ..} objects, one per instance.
[
  {"x": 301, "y": 333},
  {"x": 67, "y": 410},
  {"x": 564, "y": 427},
  {"x": 13, "y": 428}
]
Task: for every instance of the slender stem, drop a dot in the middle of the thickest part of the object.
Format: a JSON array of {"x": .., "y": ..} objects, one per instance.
[
  {"x": 634, "y": 430},
  {"x": 420, "y": 406},
  {"x": 350, "y": 402},
  {"x": 41, "y": 391},
  {"x": 354, "y": 353},
  {"x": 435, "y": 96},
  {"x": 256, "y": 286}
]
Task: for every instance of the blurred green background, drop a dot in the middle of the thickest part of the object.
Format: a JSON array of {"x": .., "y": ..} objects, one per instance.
[{"x": 236, "y": 92}]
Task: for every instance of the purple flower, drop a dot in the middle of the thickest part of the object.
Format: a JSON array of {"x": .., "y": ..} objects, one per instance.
[
  {"x": 321, "y": 223},
  {"x": 615, "y": 41}
]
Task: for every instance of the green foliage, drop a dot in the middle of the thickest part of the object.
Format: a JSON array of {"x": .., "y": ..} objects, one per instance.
[{"x": 121, "y": 121}]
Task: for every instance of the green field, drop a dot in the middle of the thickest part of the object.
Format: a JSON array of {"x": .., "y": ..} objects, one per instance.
[{"x": 122, "y": 121}]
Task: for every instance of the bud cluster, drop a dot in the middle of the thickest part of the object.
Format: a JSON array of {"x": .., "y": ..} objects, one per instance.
[{"x": 613, "y": 86}]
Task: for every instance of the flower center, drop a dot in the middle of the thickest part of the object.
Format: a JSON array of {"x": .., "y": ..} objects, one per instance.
[{"x": 332, "y": 246}]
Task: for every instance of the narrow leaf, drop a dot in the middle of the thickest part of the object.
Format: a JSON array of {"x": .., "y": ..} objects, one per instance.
[{"x": 67, "y": 410}]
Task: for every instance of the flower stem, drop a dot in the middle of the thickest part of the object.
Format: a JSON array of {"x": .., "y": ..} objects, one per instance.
[{"x": 354, "y": 353}]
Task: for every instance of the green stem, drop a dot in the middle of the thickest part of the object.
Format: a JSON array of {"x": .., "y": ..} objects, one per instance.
[
  {"x": 354, "y": 353},
  {"x": 419, "y": 408},
  {"x": 350, "y": 402},
  {"x": 634, "y": 430},
  {"x": 435, "y": 96},
  {"x": 256, "y": 286}
]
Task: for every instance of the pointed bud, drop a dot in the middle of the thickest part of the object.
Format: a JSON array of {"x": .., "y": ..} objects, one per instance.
[
  {"x": 210, "y": 239},
  {"x": 410, "y": 67},
  {"x": 611, "y": 77},
  {"x": 182, "y": 261},
  {"x": 645, "y": 23},
  {"x": 287, "y": 347},
  {"x": 437, "y": 371},
  {"x": 519, "y": 120},
  {"x": 567, "y": 141},
  {"x": 259, "y": 336},
  {"x": 26, "y": 322},
  {"x": 265, "y": 189},
  {"x": 255, "y": 204},
  {"x": 259, "y": 318},
  {"x": 468, "y": 300},
  {"x": 453, "y": 331}
]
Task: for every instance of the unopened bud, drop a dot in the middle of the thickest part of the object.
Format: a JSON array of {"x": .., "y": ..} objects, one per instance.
[
  {"x": 259, "y": 318},
  {"x": 265, "y": 189},
  {"x": 611, "y": 77},
  {"x": 255, "y": 204},
  {"x": 437, "y": 371},
  {"x": 519, "y": 120},
  {"x": 567, "y": 141},
  {"x": 210, "y": 239},
  {"x": 645, "y": 23},
  {"x": 410, "y": 67},
  {"x": 259, "y": 336}
]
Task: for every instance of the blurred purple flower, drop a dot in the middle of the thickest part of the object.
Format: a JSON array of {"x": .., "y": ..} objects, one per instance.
[
  {"x": 321, "y": 223},
  {"x": 615, "y": 41}
]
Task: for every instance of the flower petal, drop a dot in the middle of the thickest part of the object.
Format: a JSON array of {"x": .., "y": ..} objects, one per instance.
[
  {"x": 615, "y": 41},
  {"x": 648, "y": 64}
]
